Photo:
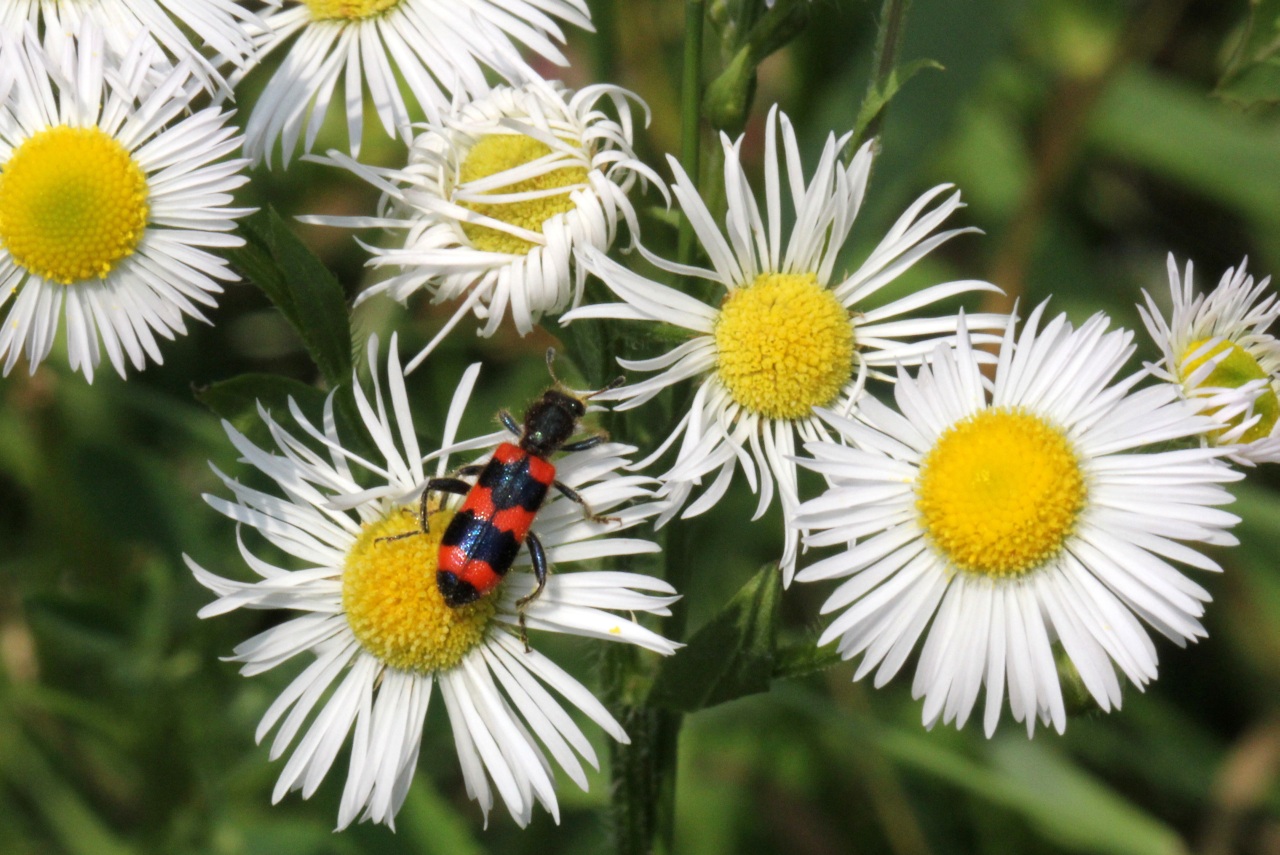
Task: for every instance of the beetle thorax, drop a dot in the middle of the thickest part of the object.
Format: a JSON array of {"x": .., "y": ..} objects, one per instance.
[{"x": 550, "y": 422}]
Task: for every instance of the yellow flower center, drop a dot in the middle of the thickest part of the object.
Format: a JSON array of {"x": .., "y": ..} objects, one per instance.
[
  {"x": 73, "y": 203},
  {"x": 1000, "y": 492},
  {"x": 392, "y": 603},
  {"x": 785, "y": 345},
  {"x": 496, "y": 153},
  {"x": 348, "y": 10},
  {"x": 1233, "y": 371}
]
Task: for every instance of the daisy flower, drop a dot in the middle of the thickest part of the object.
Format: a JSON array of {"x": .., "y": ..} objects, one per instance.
[
  {"x": 111, "y": 191},
  {"x": 1217, "y": 349},
  {"x": 379, "y": 634},
  {"x": 1004, "y": 521},
  {"x": 435, "y": 47},
  {"x": 788, "y": 335},
  {"x": 223, "y": 25},
  {"x": 498, "y": 195}
]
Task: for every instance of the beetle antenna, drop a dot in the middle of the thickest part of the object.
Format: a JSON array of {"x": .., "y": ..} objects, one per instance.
[
  {"x": 613, "y": 384},
  {"x": 551, "y": 365},
  {"x": 551, "y": 369}
]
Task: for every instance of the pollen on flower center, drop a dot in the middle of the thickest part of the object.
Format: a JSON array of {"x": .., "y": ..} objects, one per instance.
[
  {"x": 348, "y": 10},
  {"x": 1000, "y": 492},
  {"x": 1234, "y": 368},
  {"x": 392, "y": 603},
  {"x": 784, "y": 345},
  {"x": 495, "y": 154},
  {"x": 73, "y": 203}
]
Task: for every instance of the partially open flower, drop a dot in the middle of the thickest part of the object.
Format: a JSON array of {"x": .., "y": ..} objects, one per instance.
[
  {"x": 497, "y": 197},
  {"x": 1219, "y": 351}
]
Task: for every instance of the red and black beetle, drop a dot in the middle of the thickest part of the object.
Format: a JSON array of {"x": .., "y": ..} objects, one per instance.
[{"x": 484, "y": 536}]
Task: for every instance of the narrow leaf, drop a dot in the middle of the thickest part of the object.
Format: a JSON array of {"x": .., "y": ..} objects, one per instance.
[
  {"x": 803, "y": 659},
  {"x": 731, "y": 656},
  {"x": 301, "y": 287},
  {"x": 1252, "y": 75},
  {"x": 1062, "y": 802},
  {"x": 878, "y": 97},
  {"x": 236, "y": 400}
]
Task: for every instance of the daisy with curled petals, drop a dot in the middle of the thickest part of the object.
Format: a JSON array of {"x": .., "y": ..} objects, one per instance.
[
  {"x": 224, "y": 25},
  {"x": 1006, "y": 521},
  {"x": 382, "y": 640},
  {"x": 436, "y": 47},
  {"x": 111, "y": 194},
  {"x": 789, "y": 335},
  {"x": 1218, "y": 350},
  {"x": 498, "y": 195}
]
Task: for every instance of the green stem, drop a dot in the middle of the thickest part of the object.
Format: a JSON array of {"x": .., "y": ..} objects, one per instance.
[
  {"x": 691, "y": 112},
  {"x": 893, "y": 20},
  {"x": 644, "y": 772},
  {"x": 667, "y": 723}
]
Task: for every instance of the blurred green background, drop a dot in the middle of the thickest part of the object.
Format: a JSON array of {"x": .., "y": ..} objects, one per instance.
[{"x": 1088, "y": 141}]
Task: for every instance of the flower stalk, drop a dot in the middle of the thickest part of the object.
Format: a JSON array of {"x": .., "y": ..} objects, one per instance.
[{"x": 690, "y": 110}]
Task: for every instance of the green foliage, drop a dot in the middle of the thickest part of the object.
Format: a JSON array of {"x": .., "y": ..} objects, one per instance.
[
  {"x": 238, "y": 400},
  {"x": 1065, "y": 804},
  {"x": 732, "y": 655},
  {"x": 728, "y": 97},
  {"x": 1252, "y": 74},
  {"x": 882, "y": 92},
  {"x": 301, "y": 287},
  {"x": 122, "y": 732}
]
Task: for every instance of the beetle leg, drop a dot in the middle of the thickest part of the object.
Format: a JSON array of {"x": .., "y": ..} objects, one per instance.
[
  {"x": 435, "y": 485},
  {"x": 539, "y": 557},
  {"x": 583, "y": 444},
  {"x": 509, "y": 423},
  {"x": 573, "y": 496}
]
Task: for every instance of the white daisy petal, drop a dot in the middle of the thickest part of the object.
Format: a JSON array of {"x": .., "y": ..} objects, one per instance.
[
  {"x": 156, "y": 26},
  {"x": 436, "y": 47}
]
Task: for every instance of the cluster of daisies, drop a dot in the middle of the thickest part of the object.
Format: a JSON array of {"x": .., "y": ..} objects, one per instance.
[{"x": 1022, "y": 507}]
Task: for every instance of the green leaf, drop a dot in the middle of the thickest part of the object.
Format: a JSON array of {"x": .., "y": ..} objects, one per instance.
[
  {"x": 803, "y": 659},
  {"x": 1252, "y": 75},
  {"x": 731, "y": 656},
  {"x": 237, "y": 399},
  {"x": 434, "y": 825},
  {"x": 878, "y": 97},
  {"x": 1064, "y": 803},
  {"x": 1170, "y": 130},
  {"x": 71, "y": 820},
  {"x": 274, "y": 259},
  {"x": 588, "y": 350},
  {"x": 89, "y": 630}
]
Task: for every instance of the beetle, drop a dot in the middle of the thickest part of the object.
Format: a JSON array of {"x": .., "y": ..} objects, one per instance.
[{"x": 483, "y": 538}]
